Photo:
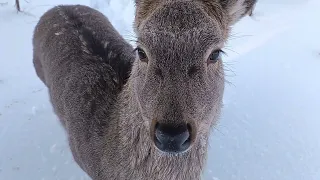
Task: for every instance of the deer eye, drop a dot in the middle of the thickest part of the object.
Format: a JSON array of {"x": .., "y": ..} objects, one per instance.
[
  {"x": 142, "y": 55},
  {"x": 215, "y": 56}
]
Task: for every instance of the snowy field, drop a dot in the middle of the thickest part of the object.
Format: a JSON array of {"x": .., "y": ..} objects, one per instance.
[{"x": 270, "y": 125}]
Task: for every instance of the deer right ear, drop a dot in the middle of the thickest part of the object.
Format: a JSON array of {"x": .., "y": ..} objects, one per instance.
[{"x": 237, "y": 9}]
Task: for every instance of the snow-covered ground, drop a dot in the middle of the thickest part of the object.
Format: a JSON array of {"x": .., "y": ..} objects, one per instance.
[{"x": 269, "y": 129}]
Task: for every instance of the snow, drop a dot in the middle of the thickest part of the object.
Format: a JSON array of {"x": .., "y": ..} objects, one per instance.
[{"x": 271, "y": 115}]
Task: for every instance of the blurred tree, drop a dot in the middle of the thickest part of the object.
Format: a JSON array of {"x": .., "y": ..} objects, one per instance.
[{"x": 18, "y": 5}]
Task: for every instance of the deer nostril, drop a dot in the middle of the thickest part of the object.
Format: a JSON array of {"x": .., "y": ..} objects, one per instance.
[{"x": 172, "y": 138}]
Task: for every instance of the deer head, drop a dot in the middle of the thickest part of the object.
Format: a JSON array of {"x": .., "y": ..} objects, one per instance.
[{"x": 178, "y": 74}]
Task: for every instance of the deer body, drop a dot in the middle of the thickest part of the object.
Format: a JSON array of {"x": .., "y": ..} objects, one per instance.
[{"x": 137, "y": 117}]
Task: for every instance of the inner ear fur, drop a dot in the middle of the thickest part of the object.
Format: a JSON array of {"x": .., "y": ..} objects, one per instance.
[{"x": 237, "y": 9}]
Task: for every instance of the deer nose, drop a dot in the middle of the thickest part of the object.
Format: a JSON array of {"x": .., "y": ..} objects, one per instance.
[{"x": 172, "y": 138}]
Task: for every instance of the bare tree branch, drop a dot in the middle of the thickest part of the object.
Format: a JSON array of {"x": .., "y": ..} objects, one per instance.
[{"x": 18, "y": 6}]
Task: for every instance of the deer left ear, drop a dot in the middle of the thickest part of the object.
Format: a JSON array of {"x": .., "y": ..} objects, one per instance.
[{"x": 237, "y": 9}]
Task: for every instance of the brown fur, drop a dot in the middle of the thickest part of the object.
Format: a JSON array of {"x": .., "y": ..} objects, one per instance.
[{"x": 109, "y": 124}]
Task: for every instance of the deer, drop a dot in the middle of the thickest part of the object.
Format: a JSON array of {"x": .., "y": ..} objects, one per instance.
[{"x": 143, "y": 112}]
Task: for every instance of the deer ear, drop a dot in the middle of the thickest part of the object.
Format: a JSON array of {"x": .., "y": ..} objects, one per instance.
[{"x": 237, "y": 9}]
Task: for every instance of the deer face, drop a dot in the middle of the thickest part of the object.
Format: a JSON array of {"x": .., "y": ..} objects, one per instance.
[{"x": 179, "y": 79}]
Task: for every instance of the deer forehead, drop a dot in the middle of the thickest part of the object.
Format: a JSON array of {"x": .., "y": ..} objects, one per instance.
[
  {"x": 179, "y": 16},
  {"x": 184, "y": 14},
  {"x": 183, "y": 23}
]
